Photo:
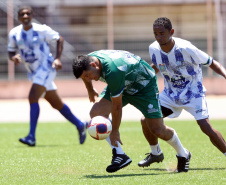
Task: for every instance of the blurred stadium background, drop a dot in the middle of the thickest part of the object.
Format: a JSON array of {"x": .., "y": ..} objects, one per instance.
[{"x": 89, "y": 25}]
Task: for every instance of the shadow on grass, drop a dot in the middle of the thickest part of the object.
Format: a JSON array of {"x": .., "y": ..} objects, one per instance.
[
  {"x": 200, "y": 169},
  {"x": 190, "y": 169},
  {"x": 113, "y": 176},
  {"x": 165, "y": 172},
  {"x": 39, "y": 146},
  {"x": 128, "y": 175}
]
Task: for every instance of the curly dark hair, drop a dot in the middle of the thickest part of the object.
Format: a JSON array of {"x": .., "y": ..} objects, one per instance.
[
  {"x": 80, "y": 64},
  {"x": 163, "y": 21},
  {"x": 22, "y": 7}
]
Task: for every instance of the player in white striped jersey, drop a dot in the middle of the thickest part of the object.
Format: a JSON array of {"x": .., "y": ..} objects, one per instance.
[
  {"x": 179, "y": 62},
  {"x": 32, "y": 42}
]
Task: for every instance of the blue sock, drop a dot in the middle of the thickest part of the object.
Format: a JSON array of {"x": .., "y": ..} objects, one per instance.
[
  {"x": 66, "y": 112},
  {"x": 34, "y": 114}
]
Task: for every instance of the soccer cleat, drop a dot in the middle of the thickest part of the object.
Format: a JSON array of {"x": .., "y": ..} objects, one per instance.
[
  {"x": 118, "y": 162},
  {"x": 151, "y": 159},
  {"x": 82, "y": 133},
  {"x": 183, "y": 163},
  {"x": 30, "y": 141}
]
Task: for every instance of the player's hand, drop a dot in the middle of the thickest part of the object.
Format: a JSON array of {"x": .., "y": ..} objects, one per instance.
[
  {"x": 57, "y": 64},
  {"x": 114, "y": 137},
  {"x": 16, "y": 59},
  {"x": 92, "y": 95}
]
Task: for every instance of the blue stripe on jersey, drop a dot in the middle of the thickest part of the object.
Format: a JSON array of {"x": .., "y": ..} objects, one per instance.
[
  {"x": 188, "y": 94},
  {"x": 24, "y": 36},
  {"x": 190, "y": 70},
  {"x": 154, "y": 59},
  {"x": 35, "y": 34},
  {"x": 200, "y": 86},
  {"x": 179, "y": 57},
  {"x": 165, "y": 59},
  {"x": 41, "y": 47},
  {"x": 14, "y": 38}
]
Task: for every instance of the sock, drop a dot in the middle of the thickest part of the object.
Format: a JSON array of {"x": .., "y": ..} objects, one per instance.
[
  {"x": 66, "y": 112},
  {"x": 34, "y": 114},
  {"x": 176, "y": 144},
  {"x": 225, "y": 153},
  {"x": 155, "y": 149},
  {"x": 118, "y": 149}
]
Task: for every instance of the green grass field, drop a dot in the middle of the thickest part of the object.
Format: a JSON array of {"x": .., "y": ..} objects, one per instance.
[{"x": 58, "y": 158}]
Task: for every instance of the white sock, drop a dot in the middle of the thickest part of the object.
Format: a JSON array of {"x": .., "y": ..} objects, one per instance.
[
  {"x": 176, "y": 144},
  {"x": 118, "y": 149},
  {"x": 225, "y": 153},
  {"x": 155, "y": 149}
]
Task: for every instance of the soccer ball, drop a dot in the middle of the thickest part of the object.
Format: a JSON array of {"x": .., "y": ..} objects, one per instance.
[{"x": 99, "y": 128}]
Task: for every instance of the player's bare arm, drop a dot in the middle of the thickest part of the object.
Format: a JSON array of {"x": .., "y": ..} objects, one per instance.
[
  {"x": 218, "y": 68},
  {"x": 14, "y": 57},
  {"x": 57, "y": 63},
  {"x": 155, "y": 68},
  {"x": 92, "y": 92},
  {"x": 116, "y": 120}
]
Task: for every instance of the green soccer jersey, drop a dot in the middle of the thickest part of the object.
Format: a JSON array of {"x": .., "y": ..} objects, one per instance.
[{"x": 123, "y": 71}]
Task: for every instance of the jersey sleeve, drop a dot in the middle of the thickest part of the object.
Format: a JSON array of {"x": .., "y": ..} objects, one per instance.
[
  {"x": 198, "y": 56},
  {"x": 152, "y": 55},
  {"x": 116, "y": 81},
  {"x": 50, "y": 34},
  {"x": 12, "y": 47}
]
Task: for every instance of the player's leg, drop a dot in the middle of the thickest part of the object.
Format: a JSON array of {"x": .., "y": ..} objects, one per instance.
[
  {"x": 148, "y": 103},
  {"x": 156, "y": 154},
  {"x": 153, "y": 140},
  {"x": 55, "y": 101},
  {"x": 214, "y": 135},
  {"x": 104, "y": 108},
  {"x": 201, "y": 115},
  {"x": 36, "y": 92},
  {"x": 158, "y": 128},
  {"x": 101, "y": 108}
]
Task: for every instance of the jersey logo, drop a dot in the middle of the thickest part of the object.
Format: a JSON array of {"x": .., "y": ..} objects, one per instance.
[
  {"x": 151, "y": 109},
  {"x": 179, "y": 82},
  {"x": 162, "y": 68}
]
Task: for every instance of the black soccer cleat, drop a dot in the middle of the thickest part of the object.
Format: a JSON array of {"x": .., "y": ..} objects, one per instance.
[
  {"x": 30, "y": 141},
  {"x": 183, "y": 163},
  {"x": 118, "y": 162},
  {"x": 151, "y": 159}
]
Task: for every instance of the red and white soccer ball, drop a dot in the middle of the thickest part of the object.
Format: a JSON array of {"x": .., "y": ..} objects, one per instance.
[{"x": 99, "y": 127}]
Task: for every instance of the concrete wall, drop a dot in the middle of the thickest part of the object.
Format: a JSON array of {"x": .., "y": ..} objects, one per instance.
[{"x": 76, "y": 88}]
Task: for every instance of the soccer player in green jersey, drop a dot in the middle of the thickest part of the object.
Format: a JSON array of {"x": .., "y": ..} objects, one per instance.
[{"x": 129, "y": 80}]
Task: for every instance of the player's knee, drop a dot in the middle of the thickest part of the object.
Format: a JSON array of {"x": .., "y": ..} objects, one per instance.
[
  {"x": 32, "y": 98},
  {"x": 98, "y": 112},
  {"x": 94, "y": 112},
  {"x": 157, "y": 131},
  {"x": 142, "y": 121},
  {"x": 57, "y": 106}
]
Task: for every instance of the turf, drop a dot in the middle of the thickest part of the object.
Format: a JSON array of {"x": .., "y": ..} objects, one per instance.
[{"x": 58, "y": 158}]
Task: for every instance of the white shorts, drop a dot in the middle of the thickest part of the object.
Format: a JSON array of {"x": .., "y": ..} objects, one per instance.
[
  {"x": 196, "y": 107},
  {"x": 44, "y": 78}
]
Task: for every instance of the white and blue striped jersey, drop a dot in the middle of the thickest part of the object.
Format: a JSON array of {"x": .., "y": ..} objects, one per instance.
[
  {"x": 181, "y": 69},
  {"x": 33, "y": 45}
]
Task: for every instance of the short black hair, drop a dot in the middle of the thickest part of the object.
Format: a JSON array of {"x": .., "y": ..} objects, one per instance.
[
  {"x": 80, "y": 64},
  {"x": 163, "y": 21},
  {"x": 24, "y": 7}
]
